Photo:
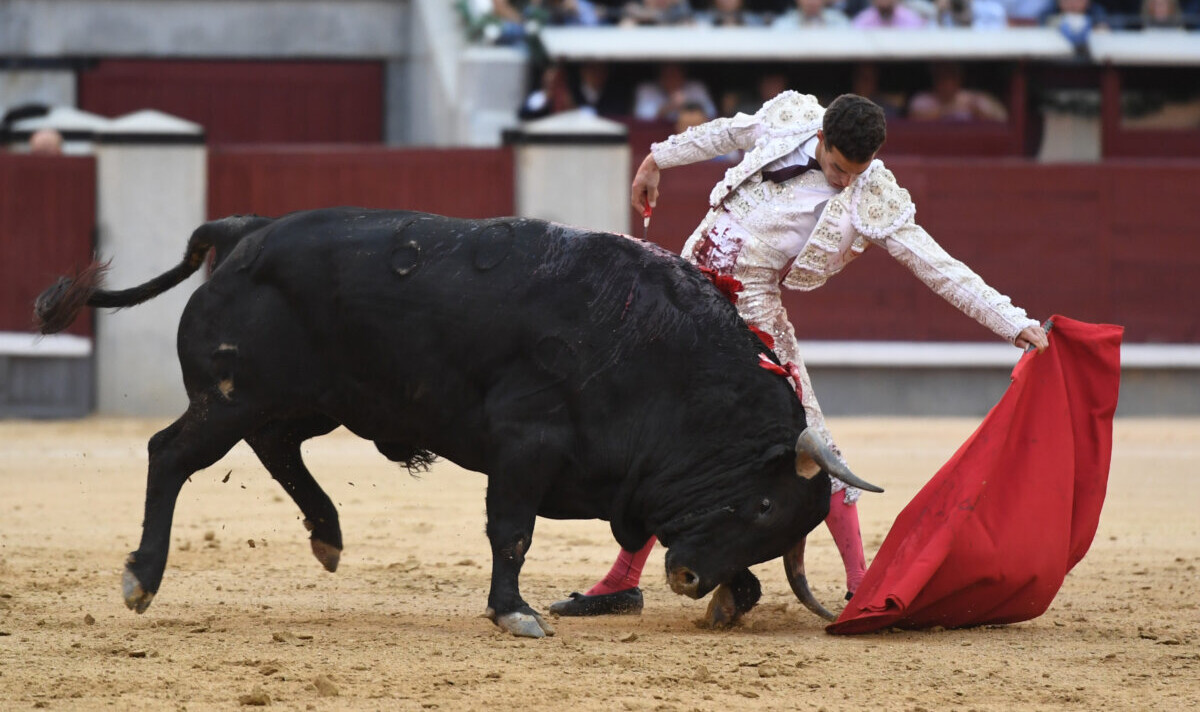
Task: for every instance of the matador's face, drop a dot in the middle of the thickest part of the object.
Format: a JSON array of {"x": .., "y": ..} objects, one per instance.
[{"x": 839, "y": 170}]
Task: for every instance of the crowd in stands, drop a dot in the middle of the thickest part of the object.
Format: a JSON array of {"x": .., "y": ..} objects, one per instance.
[
  {"x": 511, "y": 21},
  {"x": 667, "y": 94},
  {"x": 672, "y": 96}
]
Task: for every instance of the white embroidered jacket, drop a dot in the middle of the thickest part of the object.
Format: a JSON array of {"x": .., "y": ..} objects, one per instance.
[{"x": 873, "y": 210}]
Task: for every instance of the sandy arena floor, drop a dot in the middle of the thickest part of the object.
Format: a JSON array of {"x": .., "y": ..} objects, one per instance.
[{"x": 246, "y": 615}]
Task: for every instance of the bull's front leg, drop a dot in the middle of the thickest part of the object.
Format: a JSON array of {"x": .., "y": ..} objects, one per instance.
[
  {"x": 732, "y": 600},
  {"x": 510, "y": 531}
]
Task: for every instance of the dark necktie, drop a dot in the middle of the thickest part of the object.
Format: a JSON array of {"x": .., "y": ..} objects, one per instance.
[{"x": 782, "y": 174}]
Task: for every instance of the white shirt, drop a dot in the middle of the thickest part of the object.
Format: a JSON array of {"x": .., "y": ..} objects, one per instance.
[{"x": 809, "y": 193}]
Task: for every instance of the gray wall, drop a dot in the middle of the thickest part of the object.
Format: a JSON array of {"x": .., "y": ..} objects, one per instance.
[
  {"x": 968, "y": 391},
  {"x": 438, "y": 91},
  {"x": 52, "y": 87},
  {"x": 208, "y": 28}
]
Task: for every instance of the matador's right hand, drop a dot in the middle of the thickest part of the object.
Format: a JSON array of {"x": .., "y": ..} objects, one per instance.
[{"x": 645, "y": 185}]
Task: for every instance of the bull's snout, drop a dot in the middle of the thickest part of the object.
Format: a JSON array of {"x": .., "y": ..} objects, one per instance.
[{"x": 684, "y": 582}]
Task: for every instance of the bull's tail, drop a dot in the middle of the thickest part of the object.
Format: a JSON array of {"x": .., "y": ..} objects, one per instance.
[{"x": 56, "y": 308}]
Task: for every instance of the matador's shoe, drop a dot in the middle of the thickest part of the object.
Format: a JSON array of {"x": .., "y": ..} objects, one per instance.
[{"x": 627, "y": 602}]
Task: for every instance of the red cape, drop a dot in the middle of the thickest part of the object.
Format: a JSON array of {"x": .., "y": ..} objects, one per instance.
[{"x": 994, "y": 533}]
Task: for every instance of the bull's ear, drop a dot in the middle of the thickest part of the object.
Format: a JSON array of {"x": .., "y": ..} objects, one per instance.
[{"x": 788, "y": 458}]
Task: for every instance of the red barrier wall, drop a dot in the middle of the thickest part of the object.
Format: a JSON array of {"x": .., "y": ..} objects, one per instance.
[
  {"x": 246, "y": 101},
  {"x": 1112, "y": 242},
  {"x": 47, "y": 221},
  {"x": 471, "y": 183},
  {"x": 1108, "y": 243}
]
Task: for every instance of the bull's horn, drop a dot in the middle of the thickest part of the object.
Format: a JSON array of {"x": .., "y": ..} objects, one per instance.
[
  {"x": 793, "y": 566},
  {"x": 812, "y": 455}
]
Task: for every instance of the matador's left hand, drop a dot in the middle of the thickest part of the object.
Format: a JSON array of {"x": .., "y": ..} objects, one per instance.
[{"x": 1033, "y": 337}]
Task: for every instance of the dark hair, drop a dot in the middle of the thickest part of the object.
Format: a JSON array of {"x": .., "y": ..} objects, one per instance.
[{"x": 855, "y": 126}]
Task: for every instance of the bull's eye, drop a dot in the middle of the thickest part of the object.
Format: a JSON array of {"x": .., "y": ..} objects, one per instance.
[{"x": 764, "y": 506}]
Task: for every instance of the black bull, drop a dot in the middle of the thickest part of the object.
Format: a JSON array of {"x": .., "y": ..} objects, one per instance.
[{"x": 588, "y": 375}]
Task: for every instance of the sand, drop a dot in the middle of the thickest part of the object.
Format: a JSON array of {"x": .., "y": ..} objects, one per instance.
[{"x": 246, "y": 616}]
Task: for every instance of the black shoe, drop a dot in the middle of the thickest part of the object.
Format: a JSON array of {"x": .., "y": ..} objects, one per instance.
[{"x": 627, "y": 602}]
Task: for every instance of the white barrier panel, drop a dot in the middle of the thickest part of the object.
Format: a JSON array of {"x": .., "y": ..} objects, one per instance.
[
  {"x": 762, "y": 44},
  {"x": 152, "y": 174},
  {"x": 573, "y": 168}
]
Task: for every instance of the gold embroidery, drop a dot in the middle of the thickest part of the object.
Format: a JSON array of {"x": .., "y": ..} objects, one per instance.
[{"x": 878, "y": 205}]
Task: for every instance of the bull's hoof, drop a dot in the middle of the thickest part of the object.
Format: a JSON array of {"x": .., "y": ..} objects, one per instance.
[
  {"x": 522, "y": 625},
  {"x": 327, "y": 554},
  {"x": 136, "y": 598},
  {"x": 723, "y": 611},
  {"x": 627, "y": 602},
  {"x": 731, "y": 600}
]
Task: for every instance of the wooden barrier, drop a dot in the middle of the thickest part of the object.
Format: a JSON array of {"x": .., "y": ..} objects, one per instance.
[
  {"x": 1109, "y": 242},
  {"x": 47, "y": 221},
  {"x": 472, "y": 183},
  {"x": 246, "y": 101}
]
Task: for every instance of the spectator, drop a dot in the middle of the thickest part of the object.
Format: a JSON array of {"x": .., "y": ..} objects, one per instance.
[
  {"x": 768, "y": 8},
  {"x": 512, "y": 22},
  {"x": 925, "y": 8},
  {"x": 976, "y": 14},
  {"x": 560, "y": 89},
  {"x": 948, "y": 100},
  {"x": 549, "y": 97},
  {"x": 690, "y": 114},
  {"x": 850, "y": 8},
  {"x": 728, "y": 13},
  {"x": 1161, "y": 15},
  {"x": 656, "y": 12},
  {"x": 591, "y": 90},
  {"x": 1025, "y": 13},
  {"x": 661, "y": 100},
  {"x": 1121, "y": 13},
  {"x": 494, "y": 21},
  {"x": 46, "y": 142},
  {"x": 1076, "y": 20},
  {"x": 768, "y": 86},
  {"x": 811, "y": 13},
  {"x": 609, "y": 8},
  {"x": 865, "y": 82},
  {"x": 889, "y": 14},
  {"x": 562, "y": 12}
]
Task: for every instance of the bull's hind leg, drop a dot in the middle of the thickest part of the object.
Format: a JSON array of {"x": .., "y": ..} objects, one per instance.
[
  {"x": 198, "y": 439},
  {"x": 277, "y": 445}
]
